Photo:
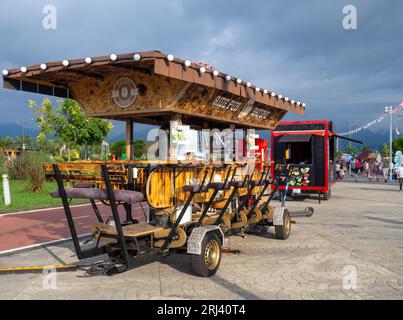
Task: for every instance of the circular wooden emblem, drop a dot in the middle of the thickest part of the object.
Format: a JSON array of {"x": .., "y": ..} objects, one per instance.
[{"x": 124, "y": 92}]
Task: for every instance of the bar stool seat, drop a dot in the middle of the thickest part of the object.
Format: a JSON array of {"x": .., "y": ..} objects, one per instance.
[
  {"x": 196, "y": 188},
  {"x": 238, "y": 183},
  {"x": 220, "y": 185},
  {"x": 126, "y": 196}
]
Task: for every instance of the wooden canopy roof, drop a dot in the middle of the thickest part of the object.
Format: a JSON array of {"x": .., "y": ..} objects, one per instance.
[{"x": 150, "y": 86}]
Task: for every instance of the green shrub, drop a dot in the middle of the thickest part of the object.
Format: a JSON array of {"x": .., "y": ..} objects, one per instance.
[
  {"x": 28, "y": 166},
  {"x": 35, "y": 172},
  {"x": 95, "y": 156},
  {"x": 58, "y": 159},
  {"x": 2, "y": 165},
  {"x": 17, "y": 168}
]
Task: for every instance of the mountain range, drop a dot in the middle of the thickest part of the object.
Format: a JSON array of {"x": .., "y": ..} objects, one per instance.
[{"x": 374, "y": 139}]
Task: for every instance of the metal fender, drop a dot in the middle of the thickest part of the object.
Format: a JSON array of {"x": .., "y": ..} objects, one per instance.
[{"x": 195, "y": 239}]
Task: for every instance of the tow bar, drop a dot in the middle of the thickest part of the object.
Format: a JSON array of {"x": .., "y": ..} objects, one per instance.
[{"x": 308, "y": 212}]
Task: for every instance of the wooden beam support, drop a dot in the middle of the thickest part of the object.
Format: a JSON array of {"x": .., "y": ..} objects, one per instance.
[{"x": 129, "y": 139}]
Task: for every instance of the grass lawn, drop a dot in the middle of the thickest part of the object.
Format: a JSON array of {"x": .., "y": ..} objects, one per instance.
[{"x": 22, "y": 198}]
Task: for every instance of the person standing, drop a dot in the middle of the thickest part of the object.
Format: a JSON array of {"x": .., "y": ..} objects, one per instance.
[
  {"x": 366, "y": 170},
  {"x": 352, "y": 169},
  {"x": 341, "y": 173},
  {"x": 337, "y": 170},
  {"x": 385, "y": 171},
  {"x": 357, "y": 169},
  {"x": 400, "y": 176}
]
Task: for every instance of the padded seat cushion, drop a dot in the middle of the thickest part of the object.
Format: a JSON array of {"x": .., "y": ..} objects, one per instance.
[
  {"x": 84, "y": 185},
  {"x": 196, "y": 188},
  {"x": 237, "y": 183},
  {"x": 127, "y": 196},
  {"x": 257, "y": 182},
  {"x": 220, "y": 185}
]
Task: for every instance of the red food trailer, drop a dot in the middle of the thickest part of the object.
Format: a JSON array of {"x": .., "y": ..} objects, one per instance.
[{"x": 309, "y": 147}]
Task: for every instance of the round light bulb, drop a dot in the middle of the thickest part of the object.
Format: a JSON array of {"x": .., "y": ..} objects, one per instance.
[
  {"x": 292, "y": 101},
  {"x": 187, "y": 63},
  {"x": 265, "y": 91},
  {"x": 202, "y": 70},
  {"x": 23, "y": 69},
  {"x": 170, "y": 57},
  {"x": 5, "y": 72},
  {"x": 113, "y": 57},
  {"x": 88, "y": 60},
  {"x": 280, "y": 96},
  {"x": 215, "y": 73},
  {"x": 286, "y": 99},
  {"x": 228, "y": 78},
  {"x": 43, "y": 66},
  {"x": 239, "y": 81},
  {"x": 257, "y": 89},
  {"x": 273, "y": 94},
  {"x": 136, "y": 57},
  {"x": 303, "y": 104},
  {"x": 66, "y": 63},
  {"x": 248, "y": 84}
]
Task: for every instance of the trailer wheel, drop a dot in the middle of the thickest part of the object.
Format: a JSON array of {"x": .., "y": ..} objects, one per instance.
[
  {"x": 309, "y": 211},
  {"x": 206, "y": 264},
  {"x": 283, "y": 232},
  {"x": 327, "y": 195}
]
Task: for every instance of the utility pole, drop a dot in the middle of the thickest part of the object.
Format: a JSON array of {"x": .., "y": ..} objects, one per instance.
[
  {"x": 350, "y": 135},
  {"x": 22, "y": 123},
  {"x": 337, "y": 145},
  {"x": 390, "y": 111}
]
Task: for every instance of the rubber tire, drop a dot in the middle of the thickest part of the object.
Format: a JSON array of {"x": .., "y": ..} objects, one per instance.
[
  {"x": 327, "y": 195},
  {"x": 281, "y": 232},
  {"x": 197, "y": 261},
  {"x": 309, "y": 211}
]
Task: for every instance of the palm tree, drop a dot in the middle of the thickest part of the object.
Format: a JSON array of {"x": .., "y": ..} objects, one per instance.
[
  {"x": 29, "y": 142},
  {"x": 6, "y": 143}
]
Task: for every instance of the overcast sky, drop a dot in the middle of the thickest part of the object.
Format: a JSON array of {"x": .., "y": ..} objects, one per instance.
[{"x": 297, "y": 48}]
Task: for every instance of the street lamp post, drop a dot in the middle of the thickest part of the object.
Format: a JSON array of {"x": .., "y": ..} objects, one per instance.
[{"x": 390, "y": 111}]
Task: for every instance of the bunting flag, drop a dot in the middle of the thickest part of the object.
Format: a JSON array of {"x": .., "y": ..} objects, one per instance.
[
  {"x": 395, "y": 109},
  {"x": 369, "y": 124}
]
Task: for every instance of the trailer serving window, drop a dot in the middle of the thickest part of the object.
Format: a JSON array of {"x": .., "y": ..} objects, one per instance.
[{"x": 299, "y": 148}]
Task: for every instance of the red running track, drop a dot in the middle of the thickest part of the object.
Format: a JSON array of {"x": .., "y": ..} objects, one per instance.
[{"x": 22, "y": 229}]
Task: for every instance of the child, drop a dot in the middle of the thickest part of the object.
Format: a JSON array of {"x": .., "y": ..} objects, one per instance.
[{"x": 341, "y": 173}]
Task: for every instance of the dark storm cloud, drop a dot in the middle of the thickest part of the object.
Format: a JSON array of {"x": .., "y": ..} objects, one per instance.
[{"x": 297, "y": 48}]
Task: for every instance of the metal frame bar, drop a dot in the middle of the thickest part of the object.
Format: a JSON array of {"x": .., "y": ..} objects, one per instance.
[
  {"x": 81, "y": 254},
  {"x": 177, "y": 222},
  {"x": 224, "y": 209},
  {"x": 210, "y": 202},
  {"x": 233, "y": 193},
  {"x": 187, "y": 204},
  {"x": 256, "y": 202},
  {"x": 115, "y": 213},
  {"x": 96, "y": 211}
]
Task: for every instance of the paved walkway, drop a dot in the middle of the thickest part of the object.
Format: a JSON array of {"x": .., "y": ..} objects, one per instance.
[
  {"x": 25, "y": 229},
  {"x": 358, "y": 232}
]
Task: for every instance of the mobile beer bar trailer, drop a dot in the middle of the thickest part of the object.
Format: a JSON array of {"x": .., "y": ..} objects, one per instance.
[
  {"x": 192, "y": 202},
  {"x": 309, "y": 147}
]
